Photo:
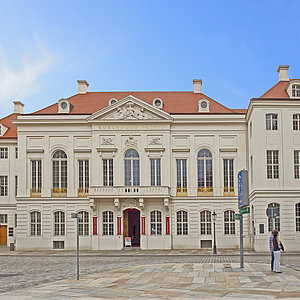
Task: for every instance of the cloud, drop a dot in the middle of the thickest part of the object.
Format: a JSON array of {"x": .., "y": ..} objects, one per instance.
[{"x": 20, "y": 80}]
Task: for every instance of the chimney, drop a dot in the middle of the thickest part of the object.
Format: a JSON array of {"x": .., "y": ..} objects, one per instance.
[
  {"x": 82, "y": 86},
  {"x": 18, "y": 109},
  {"x": 197, "y": 86},
  {"x": 283, "y": 73}
]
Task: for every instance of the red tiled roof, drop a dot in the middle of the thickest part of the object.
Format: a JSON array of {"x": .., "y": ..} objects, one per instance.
[
  {"x": 173, "y": 102},
  {"x": 11, "y": 132},
  {"x": 277, "y": 91}
]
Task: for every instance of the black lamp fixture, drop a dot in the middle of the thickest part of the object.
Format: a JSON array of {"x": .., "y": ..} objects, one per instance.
[{"x": 214, "y": 217}]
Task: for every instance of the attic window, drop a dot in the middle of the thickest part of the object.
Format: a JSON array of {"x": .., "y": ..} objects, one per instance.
[
  {"x": 112, "y": 101},
  {"x": 158, "y": 103},
  {"x": 296, "y": 91},
  {"x": 203, "y": 105},
  {"x": 63, "y": 106}
]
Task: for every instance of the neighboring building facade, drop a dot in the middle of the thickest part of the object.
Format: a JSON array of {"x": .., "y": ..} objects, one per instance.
[{"x": 155, "y": 166}]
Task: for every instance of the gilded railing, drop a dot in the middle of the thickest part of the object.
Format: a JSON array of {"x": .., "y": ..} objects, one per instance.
[
  {"x": 83, "y": 192},
  {"x": 35, "y": 193},
  {"x": 58, "y": 192},
  {"x": 181, "y": 191},
  {"x": 228, "y": 191},
  {"x": 204, "y": 191}
]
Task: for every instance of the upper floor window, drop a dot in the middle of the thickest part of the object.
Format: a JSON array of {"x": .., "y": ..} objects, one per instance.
[
  {"x": 274, "y": 223},
  {"x": 250, "y": 129},
  {"x": 297, "y": 213},
  {"x": 3, "y": 185},
  {"x": 229, "y": 222},
  {"x": 108, "y": 173},
  {"x": 35, "y": 223},
  {"x": 59, "y": 170},
  {"x": 3, "y": 219},
  {"x": 272, "y": 164},
  {"x": 108, "y": 222},
  {"x": 205, "y": 172},
  {"x": 83, "y": 222},
  {"x": 228, "y": 176},
  {"x": 155, "y": 172},
  {"x": 156, "y": 224},
  {"x": 296, "y": 164},
  {"x": 36, "y": 177},
  {"x": 182, "y": 222},
  {"x": 84, "y": 177},
  {"x": 181, "y": 168},
  {"x": 59, "y": 223},
  {"x": 272, "y": 122},
  {"x": 3, "y": 153},
  {"x": 16, "y": 152},
  {"x": 296, "y": 91},
  {"x": 205, "y": 222},
  {"x": 132, "y": 168},
  {"x": 296, "y": 122}
]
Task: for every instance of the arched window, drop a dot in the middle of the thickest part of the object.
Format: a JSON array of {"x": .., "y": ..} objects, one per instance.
[
  {"x": 59, "y": 172},
  {"x": 156, "y": 224},
  {"x": 205, "y": 222},
  {"x": 132, "y": 168},
  {"x": 108, "y": 222},
  {"x": 297, "y": 213},
  {"x": 59, "y": 223},
  {"x": 83, "y": 223},
  {"x": 35, "y": 223},
  {"x": 276, "y": 221},
  {"x": 229, "y": 222},
  {"x": 205, "y": 179},
  {"x": 182, "y": 222}
]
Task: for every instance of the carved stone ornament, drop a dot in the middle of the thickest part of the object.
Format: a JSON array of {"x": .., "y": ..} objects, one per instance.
[
  {"x": 131, "y": 142},
  {"x": 155, "y": 141},
  {"x": 107, "y": 141},
  {"x": 130, "y": 203},
  {"x": 131, "y": 112}
]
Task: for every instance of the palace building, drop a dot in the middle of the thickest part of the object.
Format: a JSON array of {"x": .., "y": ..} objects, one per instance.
[{"x": 153, "y": 166}]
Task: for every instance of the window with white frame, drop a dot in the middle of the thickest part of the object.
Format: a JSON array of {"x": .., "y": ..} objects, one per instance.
[
  {"x": 250, "y": 129},
  {"x": 276, "y": 221},
  {"x": 296, "y": 122},
  {"x": 59, "y": 170},
  {"x": 16, "y": 152},
  {"x": 271, "y": 122},
  {"x": 35, "y": 223},
  {"x": 272, "y": 164},
  {"x": 229, "y": 222},
  {"x": 16, "y": 185},
  {"x": 182, "y": 222},
  {"x": 36, "y": 175},
  {"x": 251, "y": 168},
  {"x": 4, "y": 153},
  {"x": 59, "y": 223},
  {"x": 228, "y": 176},
  {"x": 3, "y": 185},
  {"x": 83, "y": 223},
  {"x": 3, "y": 219},
  {"x": 155, "y": 167},
  {"x": 205, "y": 222},
  {"x": 132, "y": 168},
  {"x": 296, "y": 164},
  {"x": 181, "y": 175},
  {"x": 205, "y": 171},
  {"x": 108, "y": 173},
  {"x": 156, "y": 222},
  {"x": 108, "y": 222},
  {"x": 297, "y": 214},
  {"x": 296, "y": 90},
  {"x": 84, "y": 174}
]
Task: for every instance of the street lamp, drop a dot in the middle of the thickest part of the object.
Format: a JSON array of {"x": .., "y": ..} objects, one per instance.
[
  {"x": 214, "y": 217},
  {"x": 77, "y": 216}
]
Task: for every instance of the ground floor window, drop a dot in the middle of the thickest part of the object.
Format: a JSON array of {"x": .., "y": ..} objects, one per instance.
[
  {"x": 182, "y": 222},
  {"x": 297, "y": 208},
  {"x": 276, "y": 221},
  {"x": 59, "y": 223},
  {"x": 108, "y": 223},
  {"x": 229, "y": 222},
  {"x": 35, "y": 223},
  {"x": 83, "y": 223},
  {"x": 156, "y": 225},
  {"x": 205, "y": 222}
]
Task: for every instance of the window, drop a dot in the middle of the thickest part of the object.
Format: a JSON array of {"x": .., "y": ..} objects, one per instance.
[
  {"x": 83, "y": 223},
  {"x": 3, "y": 153},
  {"x": 112, "y": 101},
  {"x": 108, "y": 223},
  {"x": 272, "y": 164},
  {"x": 296, "y": 90},
  {"x": 155, "y": 172},
  {"x": 229, "y": 222},
  {"x": 228, "y": 176},
  {"x": 276, "y": 221},
  {"x": 16, "y": 152},
  {"x": 205, "y": 222},
  {"x": 59, "y": 223},
  {"x": 84, "y": 177},
  {"x": 108, "y": 173},
  {"x": 58, "y": 244},
  {"x": 251, "y": 168},
  {"x": 16, "y": 220},
  {"x": 35, "y": 223},
  {"x": 250, "y": 129},
  {"x": 296, "y": 164},
  {"x": 36, "y": 177},
  {"x": 205, "y": 181},
  {"x": 296, "y": 122},
  {"x": 271, "y": 122},
  {"x": 3, "y": 219},
  {"x": 297, "y": 212},
  {"x": 59, "y": 169},
  {"x": 10, "y": 231},
  {"x": 182, "y": 222},
  {"x": 16, "y": 185},
  {"x": 3, "y": 185},
  {"x": 156, "y": 225},
  {"x": 158, "y": 103},
  {"x": 132, "y": 168},
  {"x": 181, "y": 177}
]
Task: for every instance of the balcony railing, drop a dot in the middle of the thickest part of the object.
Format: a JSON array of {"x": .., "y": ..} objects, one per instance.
[
  {"x": 83, "y": 192},
  {"x": 181, "y": 191},
  {"x": 205, "y": 191},
  {"x": 58, "y": 192},
  {"x": 35, "y": 193},
  {"x": 228, "y": 191}
]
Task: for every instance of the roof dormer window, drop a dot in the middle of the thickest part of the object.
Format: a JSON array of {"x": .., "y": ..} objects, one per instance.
[
  {"x": 203, "y": 105},
  {"x": 296, "y": 90},
  {"x": 158, "y": 103},
  {"x": 64, "y": 106},
  {"x": 112, "y": 101}
]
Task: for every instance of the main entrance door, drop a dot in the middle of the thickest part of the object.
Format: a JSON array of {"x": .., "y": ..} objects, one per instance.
[
  {"x": 3, "y": 235},
  {"x": 131, "y": 226}
]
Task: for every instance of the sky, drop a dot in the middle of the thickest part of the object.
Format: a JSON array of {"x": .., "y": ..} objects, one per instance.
[{"x": 234, "y": 46}]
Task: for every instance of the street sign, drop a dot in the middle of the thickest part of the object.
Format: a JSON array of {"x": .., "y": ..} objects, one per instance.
[
  {"x": 272, "y": 212},
  {"x": 243, "y": 189},
  {"x": 238, "y": 216},
  {"x": 245, "y": 210}
]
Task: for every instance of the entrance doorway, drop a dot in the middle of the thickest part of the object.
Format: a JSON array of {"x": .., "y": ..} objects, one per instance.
[
  {"x": 131, "y": 226},
  {"x": 3, "y": 235}
]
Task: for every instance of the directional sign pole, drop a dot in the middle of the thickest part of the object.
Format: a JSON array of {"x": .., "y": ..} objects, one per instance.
[{"x": 241, "y": 243}]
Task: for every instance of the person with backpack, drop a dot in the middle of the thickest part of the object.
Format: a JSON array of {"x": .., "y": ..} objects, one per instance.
[{"x": 277, "y": 245}]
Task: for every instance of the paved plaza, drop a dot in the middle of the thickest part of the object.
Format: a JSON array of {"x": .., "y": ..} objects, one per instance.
[{"x": 146, "y": 275}]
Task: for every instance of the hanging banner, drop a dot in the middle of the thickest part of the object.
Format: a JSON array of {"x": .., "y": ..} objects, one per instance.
[
  {"x": 95, "y": 229},
  {"x": 167, "y": 225},
  {"x": 119, "y": 231}
]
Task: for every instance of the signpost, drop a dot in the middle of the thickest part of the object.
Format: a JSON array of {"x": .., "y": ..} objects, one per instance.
[
  {"x": 77, "y": 216},
  {"x": 238, "y": 216},
  {"x": 245, "y": 210}
]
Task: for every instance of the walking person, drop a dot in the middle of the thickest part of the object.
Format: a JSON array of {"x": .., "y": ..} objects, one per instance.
[
  {"x": 271, "y": 248},
  {"x": 276, "y": 251}
]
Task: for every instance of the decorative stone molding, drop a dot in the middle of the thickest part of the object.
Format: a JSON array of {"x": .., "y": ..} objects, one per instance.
[
  {"x": 130, "y": 203},
  {"x": 107, "y": 141},
  {"x": 155, "y": 140},
  {"x": 131, "y": 142},
  {"x": 92, "y": 204},
  {"x": 117, "y": 203},
  {"x": 82, "y": 150},
  {"x": 228, "y": 149},
  {"x": 141, "y": 202},
  {"x": 35, "y": 150}
]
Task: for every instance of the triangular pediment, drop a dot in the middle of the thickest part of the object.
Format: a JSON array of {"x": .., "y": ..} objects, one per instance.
[{"x": 130, "y": 108}]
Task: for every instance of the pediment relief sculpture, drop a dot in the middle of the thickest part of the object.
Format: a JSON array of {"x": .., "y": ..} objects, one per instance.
[
  {"x": 107, "y": 141},
  {"x": 131, "y": 142}
]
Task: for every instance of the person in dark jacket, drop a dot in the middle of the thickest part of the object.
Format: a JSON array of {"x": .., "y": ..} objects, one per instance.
[
  {"x": 271, "y": 248},
  {"x": 276, "y": 251}
]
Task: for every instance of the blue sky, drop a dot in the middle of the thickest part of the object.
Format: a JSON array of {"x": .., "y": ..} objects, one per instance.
[{"x": 235, "y": 47}]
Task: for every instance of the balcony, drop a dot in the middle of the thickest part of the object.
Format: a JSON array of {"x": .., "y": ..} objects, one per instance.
[
  {"x": 205, "y": 191},
  {"x": 181, "y": 192},
  {"x": 58, "y": 192},
  {"x": 83, "y": 192},
  {"x": 35, "y": 193},
  {"x": 228, "y": 191}
]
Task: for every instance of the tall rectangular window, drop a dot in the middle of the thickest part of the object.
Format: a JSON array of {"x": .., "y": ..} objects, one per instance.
[
  {"x": 3, "y": 185},
  {"x": 296, "y": 164},
  {"x": 272, "y": 164},
  {"x": 36, "y": 176},
  {"x": 108, "y": 173},
  {"x": 272, "y": 122},
  {"x": 16, "y": 185},
  {"x": 228, "y": 176},
  {"x": 4, "y": 153},
  {"x": 16, "y": 152},
  {"x": 181, "y": 175},
  {"x": 251, "y": 168},
  {"x": 155, "y": 172},
  {"x": 296, "y": 122},
  {"x": 84, "y": 177}
]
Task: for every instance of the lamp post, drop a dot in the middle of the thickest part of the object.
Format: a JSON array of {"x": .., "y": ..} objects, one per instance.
[
  {"x": 77, "y": 216},
  {"x": 214, "y": 217}
]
